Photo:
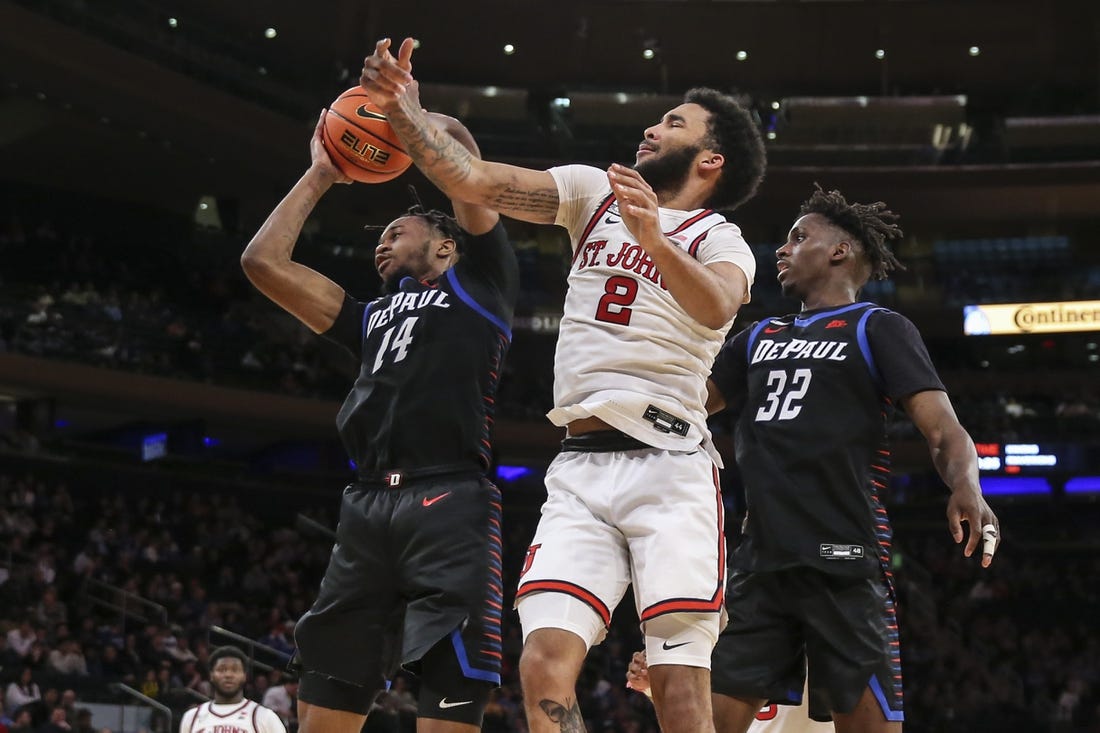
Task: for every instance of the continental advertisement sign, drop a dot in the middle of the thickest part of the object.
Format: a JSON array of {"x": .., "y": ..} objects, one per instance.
[{"x": 1009, "y": 318}]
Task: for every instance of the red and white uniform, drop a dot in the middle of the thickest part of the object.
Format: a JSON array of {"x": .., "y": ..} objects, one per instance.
[
  {"x": 630, "y": 355},
  {"x": 787, "y": 719},
  {"x": 246, "y": 716},
  {"x": 624, "y": 342}
]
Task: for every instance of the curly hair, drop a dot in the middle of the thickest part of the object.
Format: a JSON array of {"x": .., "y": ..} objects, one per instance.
[
  {"x": 444, "y": 225},
  {"x": 733, "y": 133},
  {"x": 873, "y": 225},
  {"x": 230, "y": 652}
]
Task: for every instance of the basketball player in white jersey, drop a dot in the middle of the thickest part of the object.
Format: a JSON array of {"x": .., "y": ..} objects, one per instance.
[
  {"x": 771, "y": 718},
  {"x": 229, "y": 711},
  {"x": 657, "y": 277}
]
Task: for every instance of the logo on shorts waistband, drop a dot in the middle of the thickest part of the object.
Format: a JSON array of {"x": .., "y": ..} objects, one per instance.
[{"x": 841, "y": 552}]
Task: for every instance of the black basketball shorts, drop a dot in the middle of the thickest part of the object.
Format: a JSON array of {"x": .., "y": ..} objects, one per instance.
[
  {"x": 412, "y": 565},
  {"x": 844, "y": 630}
]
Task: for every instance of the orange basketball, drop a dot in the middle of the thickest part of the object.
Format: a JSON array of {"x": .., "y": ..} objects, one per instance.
[{"x": 360, "y": 141}]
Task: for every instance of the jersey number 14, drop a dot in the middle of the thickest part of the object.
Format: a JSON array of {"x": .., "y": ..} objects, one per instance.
[{"x": 398, "y": 344}]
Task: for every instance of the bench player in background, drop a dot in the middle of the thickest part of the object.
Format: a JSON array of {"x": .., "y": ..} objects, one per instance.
[{"x": 229, "y": 710}]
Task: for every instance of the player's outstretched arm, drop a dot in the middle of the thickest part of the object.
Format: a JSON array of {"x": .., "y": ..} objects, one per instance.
[
  {"x": 521, "y": 193},
  {"x": 304, "y": 293},
  {"x": 472, "y": 218},
  {"x": 956, "y": 461}
]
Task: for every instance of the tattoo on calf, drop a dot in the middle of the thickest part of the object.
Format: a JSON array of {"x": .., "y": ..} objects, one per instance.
[{"x": 569, "y": 719}]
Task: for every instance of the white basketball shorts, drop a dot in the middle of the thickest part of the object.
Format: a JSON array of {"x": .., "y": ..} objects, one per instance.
[{"x": 649, "y": 517}]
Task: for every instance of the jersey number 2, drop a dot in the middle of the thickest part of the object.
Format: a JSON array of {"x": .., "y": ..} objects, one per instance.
[
  {"x": 782, "y": 399},
  {"x": 619, "y": 292},
  {"x": 399, "y": 345}
]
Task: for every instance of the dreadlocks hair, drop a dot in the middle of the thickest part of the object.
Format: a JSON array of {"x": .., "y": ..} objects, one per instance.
[
  {"x": 732, "y": 132},
  {"x": 446, "y": 226},
  {"x": 872, "y": 224},
  {"x": 227, "y": 651}
]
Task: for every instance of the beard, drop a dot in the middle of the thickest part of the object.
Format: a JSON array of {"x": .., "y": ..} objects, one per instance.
[
  {"x": 392, "y": 282},
  {"x": 669, "y": 171}
]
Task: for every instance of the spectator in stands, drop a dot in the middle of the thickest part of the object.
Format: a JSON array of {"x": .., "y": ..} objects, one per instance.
[
  {"x": 56, "y": 723},
  {"x": 83, "y": 722},
  {"x": 68, "y": 704},
  {"x": 22, "y": 690},
  {"x": 21, "y": 637},
  {"x": 283, "y": 699},
  {"x": 21, "y": 721},
  {"x": 68, "y": 659}
]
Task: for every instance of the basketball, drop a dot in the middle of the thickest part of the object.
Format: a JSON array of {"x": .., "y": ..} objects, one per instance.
[{"x": 360, "y": 141}]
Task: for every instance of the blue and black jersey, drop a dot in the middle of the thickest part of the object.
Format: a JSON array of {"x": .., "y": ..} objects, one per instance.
[
  {"x": 432, "y": 355},
  {"x": 812, "y": 394}
]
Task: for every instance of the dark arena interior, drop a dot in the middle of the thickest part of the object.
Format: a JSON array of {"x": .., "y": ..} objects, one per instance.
[{"x": 169, "y": 468}]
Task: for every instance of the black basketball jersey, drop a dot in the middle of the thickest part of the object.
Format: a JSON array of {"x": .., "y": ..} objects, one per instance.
[
  {"x": 432, "y": 355},
  {"x": 811, "y": 394}
]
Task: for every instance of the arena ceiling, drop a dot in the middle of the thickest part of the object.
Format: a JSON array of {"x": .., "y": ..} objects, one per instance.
[{"x": 117, "y": 99}]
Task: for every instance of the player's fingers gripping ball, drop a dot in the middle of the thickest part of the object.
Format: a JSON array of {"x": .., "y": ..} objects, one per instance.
[{"x": 360, "y": 140}]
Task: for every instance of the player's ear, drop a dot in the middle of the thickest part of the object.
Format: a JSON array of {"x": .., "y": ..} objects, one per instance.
[
  {"x": 445, "y": 248},
  {"x": 842, "y": 250},
  {"x": 712, "y": 161}
]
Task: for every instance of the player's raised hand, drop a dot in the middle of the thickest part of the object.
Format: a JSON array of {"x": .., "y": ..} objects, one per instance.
[
  {"x": 637, "y": 674},
  {"x": 321, "y": 162},
  {"x": 637, "y": 202},
  {"x": 968, "y": 505},
  {"x": 385, "y": 77}
]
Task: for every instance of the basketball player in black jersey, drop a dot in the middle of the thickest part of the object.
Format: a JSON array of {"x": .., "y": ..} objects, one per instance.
[
  {"x": 810, "y": 582},
  {"x": 415, "y": 576}
]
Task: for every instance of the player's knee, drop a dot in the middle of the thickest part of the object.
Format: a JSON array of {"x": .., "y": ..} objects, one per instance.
[
  {"x": 686, "y": 639},
  {"x": 551, "y": 657},
  {"x": 323, "y": 695},
  {"x": 683, "y": 700}
]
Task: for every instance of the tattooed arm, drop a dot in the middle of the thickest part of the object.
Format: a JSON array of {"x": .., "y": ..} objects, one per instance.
[{"x": 521, "y": 193}]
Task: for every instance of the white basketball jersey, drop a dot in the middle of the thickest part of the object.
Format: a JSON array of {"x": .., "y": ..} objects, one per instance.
[
  {"x": 246, "y": 716},
  {"x": 787, "y": 719},
  {"x": 627, "y": 352}
]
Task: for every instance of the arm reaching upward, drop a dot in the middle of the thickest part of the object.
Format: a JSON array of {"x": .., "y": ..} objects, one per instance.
[
  {"x": 473, "y": 218},
  {"x": 306, "y": 294},
  {"x": 521, "y": 193}
]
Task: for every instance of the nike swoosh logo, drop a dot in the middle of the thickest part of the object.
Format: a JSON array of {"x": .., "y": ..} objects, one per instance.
[
  {"x": 774, "y": 330},
  {"x": 666, "y": 646},
  {"x": 369, "y": 113},
  {"x": 611, "y": 220},
  {"x": 429, "y": 502},
  {"x": 444, "y": 704}
]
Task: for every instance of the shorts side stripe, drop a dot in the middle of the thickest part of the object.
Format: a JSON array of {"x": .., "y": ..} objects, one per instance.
[
  {"x": 894, "y": 716},
  {"x": 714, "y": 604},
  {"x": 467, "y": 669},
  {"x": 570, "y": 589}
]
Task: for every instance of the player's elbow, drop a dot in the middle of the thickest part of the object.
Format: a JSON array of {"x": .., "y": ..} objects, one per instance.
[
  {"x": 258, "y": 268},
  {"x": 721, "y": 312}
]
